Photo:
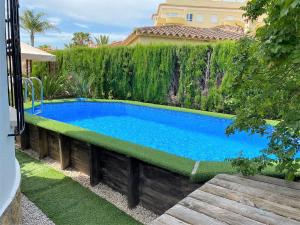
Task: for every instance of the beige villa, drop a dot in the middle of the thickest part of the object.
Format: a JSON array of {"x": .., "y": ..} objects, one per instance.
[
  {"x": 194, "y": 22},
  {"x": 200, "y": 13}
]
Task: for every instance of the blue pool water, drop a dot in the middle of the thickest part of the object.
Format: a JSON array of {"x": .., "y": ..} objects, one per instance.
[{"x": 188, "y": 135}]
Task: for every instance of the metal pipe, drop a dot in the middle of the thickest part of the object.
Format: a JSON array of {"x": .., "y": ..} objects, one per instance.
[{"x": 41, "y": 90}]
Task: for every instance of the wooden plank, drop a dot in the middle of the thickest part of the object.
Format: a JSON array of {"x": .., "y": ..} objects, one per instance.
[
  {"x": 248, "y": 199},
  {"x": 95, "y": 166},
  {"x": 114, "y": 170},
  {"x": 64, "y": 151},
  {"x": 133, "y": 182},
  {"x": 217, "y": 213},
  {"x": 157, "y": 201},
  {"x": 276, "y": 181},
  {"x": 168, "y": 220},
  {"x": 43, "y": 143},
  {"x": 24, "y": 138},
  {"x": 80, "y": 156},
  {"x": 244, "y": 210},
  {"x": 279, "y": 190},
  {"x": 53, "y": 146},
  {"x": 269, "y": 195},
  {"x": 34, "y": 137},
  {"x": 192, "y": 217}
]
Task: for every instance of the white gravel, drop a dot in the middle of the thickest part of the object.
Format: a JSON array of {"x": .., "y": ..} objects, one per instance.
[
  {"x": 32, "y": 215},
  {"x": 120, "y": 201}
]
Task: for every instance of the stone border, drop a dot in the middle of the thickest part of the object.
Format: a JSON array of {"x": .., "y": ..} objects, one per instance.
[{"x": 12, "y": 214}]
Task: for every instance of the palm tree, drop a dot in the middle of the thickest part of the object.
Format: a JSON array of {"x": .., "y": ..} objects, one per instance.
[
  {"x": 102, "y": 40},
  {"x": 80, "y": 39},
  {"x": 34, "y": 23}
]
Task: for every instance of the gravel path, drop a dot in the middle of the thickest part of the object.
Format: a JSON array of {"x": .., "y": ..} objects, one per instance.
[
  {"x": 120, "y": 201},
  {"x": 32, "y": 215}
]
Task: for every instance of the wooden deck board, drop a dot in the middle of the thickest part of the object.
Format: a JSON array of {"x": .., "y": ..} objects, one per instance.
[
  {"x": 192, "y": 217},
  {"x": 269, "y": 195},
  {"x": 167, "y": 219},
  {"x": 246, "y": 199},
  {"x": 278, "y": 190},
  {"x": 236, "y": 200},
  {"x": 279, "y": 182},
  {"x": 245, "y": 210}
]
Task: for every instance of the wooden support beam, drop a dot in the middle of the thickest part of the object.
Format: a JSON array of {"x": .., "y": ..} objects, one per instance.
[
  {"x": 95, "y": 165},
  {"x": 23, "y": 140},
  {"x": 43, "y": 143},
  {"x": 133, "y": 182},
  {"x": 64, "y": 151}
]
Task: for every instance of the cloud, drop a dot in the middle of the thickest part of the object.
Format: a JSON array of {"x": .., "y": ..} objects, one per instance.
[
  {"x": 81, "y": 25},
  {"x": 54, "y": 20},
  {"x": 127, "y": 13},
  {"x": 114, "y": 18}
]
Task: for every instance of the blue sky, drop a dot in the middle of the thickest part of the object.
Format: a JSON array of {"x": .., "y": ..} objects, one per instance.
[{"x": 114, "y": 18}]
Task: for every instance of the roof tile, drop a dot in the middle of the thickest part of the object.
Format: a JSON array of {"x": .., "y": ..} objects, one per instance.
[{"x": 219, "y": 33}]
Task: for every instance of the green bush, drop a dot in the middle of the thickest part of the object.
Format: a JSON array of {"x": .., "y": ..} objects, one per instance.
[{"x": 197, "y": 77}]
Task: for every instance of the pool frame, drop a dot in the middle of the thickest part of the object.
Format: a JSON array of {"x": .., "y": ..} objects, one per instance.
[{"x": 155, "y": 178}]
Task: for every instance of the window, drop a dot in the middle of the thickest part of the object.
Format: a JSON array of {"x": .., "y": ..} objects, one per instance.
[
  {"x": 214, "y": 19},
  {"x": 189, "y": 17},
  {"x": 199, "y": 18},
  {"x": 172, "y": 14},
  {"x": 230, "y": 18}
]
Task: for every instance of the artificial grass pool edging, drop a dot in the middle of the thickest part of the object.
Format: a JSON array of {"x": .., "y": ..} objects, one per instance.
[{"x": 173, "y": 163}]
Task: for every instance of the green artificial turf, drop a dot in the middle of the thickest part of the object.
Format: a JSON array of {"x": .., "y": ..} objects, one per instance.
[{"x": 64, "y": 200}]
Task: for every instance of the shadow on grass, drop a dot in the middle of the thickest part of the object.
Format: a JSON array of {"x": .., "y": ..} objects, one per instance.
[{"x": 63, "y": 200}]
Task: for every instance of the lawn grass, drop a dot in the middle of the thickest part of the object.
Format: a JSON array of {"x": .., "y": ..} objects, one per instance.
[{"x": 64, "y": 200}]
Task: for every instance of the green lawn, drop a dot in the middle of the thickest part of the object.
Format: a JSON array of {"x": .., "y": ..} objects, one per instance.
[{"x": 63, "y": 200}]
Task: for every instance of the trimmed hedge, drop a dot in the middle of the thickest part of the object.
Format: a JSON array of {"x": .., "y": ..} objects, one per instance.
[{"x": 197, "y": 77}]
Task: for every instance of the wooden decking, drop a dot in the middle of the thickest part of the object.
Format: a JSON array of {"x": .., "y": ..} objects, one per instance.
[{"x": 236, "y": 200}]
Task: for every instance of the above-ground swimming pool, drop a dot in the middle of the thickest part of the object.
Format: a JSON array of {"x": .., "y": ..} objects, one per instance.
[{"x": 189, "y": 135}]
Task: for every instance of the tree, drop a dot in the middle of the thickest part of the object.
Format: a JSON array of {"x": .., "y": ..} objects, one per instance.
[
  {"x": 80, "y": 39},
  {"x": 35, "y": 23},
  {"x": 102, "y": 40},
  {"x": 268, "y": 85},
  {"x": 45, "y": 47}
]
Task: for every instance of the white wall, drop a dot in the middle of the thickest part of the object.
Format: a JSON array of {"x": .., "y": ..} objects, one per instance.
[{"x": 9, "y": 168}]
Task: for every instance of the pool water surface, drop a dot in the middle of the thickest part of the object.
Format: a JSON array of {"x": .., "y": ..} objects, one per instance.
[{"x": 194, "y": 136}]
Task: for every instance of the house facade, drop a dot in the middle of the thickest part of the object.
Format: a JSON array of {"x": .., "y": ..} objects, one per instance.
[
  {"x": 204, "y": 14},
  {"x": 193, "y": 22},
  {"x": 200, "y": 13}
]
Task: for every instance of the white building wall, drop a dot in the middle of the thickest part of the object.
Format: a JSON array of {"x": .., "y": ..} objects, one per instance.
[{"x": 9, "y": 167}]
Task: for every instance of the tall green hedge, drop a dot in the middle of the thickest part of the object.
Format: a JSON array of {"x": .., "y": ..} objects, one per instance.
[{"x": 189, "y": 76}]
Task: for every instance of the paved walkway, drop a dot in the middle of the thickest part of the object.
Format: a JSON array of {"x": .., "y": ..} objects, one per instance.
[{"x": 236, "y": 200}]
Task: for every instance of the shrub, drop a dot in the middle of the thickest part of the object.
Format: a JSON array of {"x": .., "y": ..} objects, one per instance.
[{"x": 189, "y": 76}]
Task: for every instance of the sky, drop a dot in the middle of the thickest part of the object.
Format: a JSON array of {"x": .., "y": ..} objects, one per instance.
[{"x": 116, "y": 18}]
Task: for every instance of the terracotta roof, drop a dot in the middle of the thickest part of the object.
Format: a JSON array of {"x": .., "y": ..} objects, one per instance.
[
  {"x": 116, "y": 43},
  {"x": 215, "y": 33},
  {"x": 224, "y": 32}
]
